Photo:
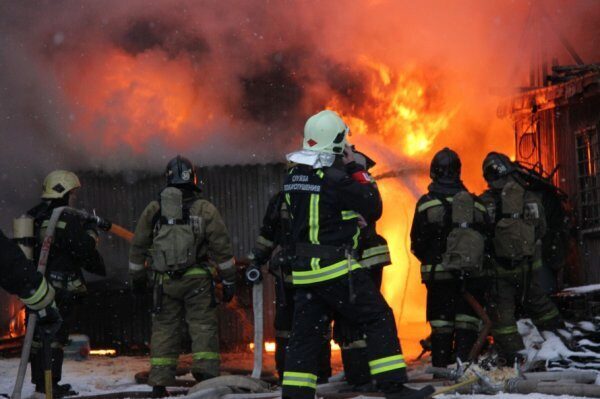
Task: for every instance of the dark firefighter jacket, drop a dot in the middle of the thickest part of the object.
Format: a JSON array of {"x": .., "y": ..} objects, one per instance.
[
  {"x": 375, "y": 252},
  {"x": 73, "y": 248},
  {"x": 274, "y": 240},
  {"x": 430, "y": 230},
  {"x": 18, "y": 276},
  {"x": 325, "y": 205}
]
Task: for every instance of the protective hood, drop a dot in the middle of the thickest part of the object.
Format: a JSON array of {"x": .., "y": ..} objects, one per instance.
[
  {"x": 446, "y": 188},
  {"x": 311, "y": 158}
]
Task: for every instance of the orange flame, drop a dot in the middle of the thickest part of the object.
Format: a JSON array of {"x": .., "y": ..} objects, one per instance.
[
  {"x": 16, "y": 325},
  {"x": 270, "y": 346},
  {"x": 137, "y": 100},
  {"x": 401, "y": 110}
]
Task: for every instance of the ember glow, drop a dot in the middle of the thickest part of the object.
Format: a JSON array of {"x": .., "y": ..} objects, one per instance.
[
  {"x": 16, "y": 317},
  {"x": 103, "y": 352}
]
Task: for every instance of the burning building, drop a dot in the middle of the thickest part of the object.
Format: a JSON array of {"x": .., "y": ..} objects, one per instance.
[
  {"x": 116, "y": 90},
  {"x": 556, "y": 130}
]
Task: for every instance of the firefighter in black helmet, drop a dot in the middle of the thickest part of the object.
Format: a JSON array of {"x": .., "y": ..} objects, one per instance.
[
  {"x": 179, "y": 236},
  {"x": 325, "y": 193},
  {"x": 454, "y": 324},
  {"x": 516, "y": 211},
  {"x": 73, "y": 250}
]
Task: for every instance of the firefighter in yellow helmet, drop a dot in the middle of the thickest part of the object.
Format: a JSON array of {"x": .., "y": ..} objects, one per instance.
[
  {"x": 73, "y": 250},
  {"x": 178, "y": 237}
]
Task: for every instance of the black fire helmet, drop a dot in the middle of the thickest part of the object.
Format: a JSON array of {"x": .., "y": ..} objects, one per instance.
[
  {"x": 180, "y": 171},
  {"x": 496, "y": 166},
  {"x": 445, "y": 166}
]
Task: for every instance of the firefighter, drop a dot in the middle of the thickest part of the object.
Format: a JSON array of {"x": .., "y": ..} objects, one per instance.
[
  {"x": 520, "y": 225},
  {"x": 18, "y": 276},
  {"x": 273, "y": 246},
  {"x": 73, "y": 250},
  {"x": 375, "y": 255},
  {"x": 325, "y": 194},
  {"x": 179, "y": 235},
  {"x": 454, "y": 324}
]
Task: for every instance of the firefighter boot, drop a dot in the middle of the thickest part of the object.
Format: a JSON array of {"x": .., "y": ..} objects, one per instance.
[
  {"x": 441, "y": 349},
  {"x": 464, "y": 341},
  {"x": 159, "y": 391},
  {"x": 401, "y": 391},
  {"x": 356, "y": 368}
]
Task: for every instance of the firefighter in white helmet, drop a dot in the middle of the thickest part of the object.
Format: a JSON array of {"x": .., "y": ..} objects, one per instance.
[
  {"x": 325, "y": 193},
  {"x": 73, "y": 250}
]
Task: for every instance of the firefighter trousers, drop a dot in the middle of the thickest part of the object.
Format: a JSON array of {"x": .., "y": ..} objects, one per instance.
[
  {"x": 511, "y": 289},
  {"x": 351, "y": 339},
  {"x": 284, "y": 316},
  {"x": 313, "y": 305},
  {"x": 189, "y": 299},
  {"x": 65, "y": 303},
  {"x": 454, "y": 323}
]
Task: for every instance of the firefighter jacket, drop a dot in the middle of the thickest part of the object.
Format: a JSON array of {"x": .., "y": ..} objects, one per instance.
[
  {"x": 431, "y": 226},
  {"x": 533, "y": 212},
  {"x": 215, "y": 245},
  {"x": 73, "y": 248},
  {"x": 274, "y": 240},
  {"x": 375, "y": 252},
  {"x": 18, "y": 276},
  {"x": 325, "y": 204}
]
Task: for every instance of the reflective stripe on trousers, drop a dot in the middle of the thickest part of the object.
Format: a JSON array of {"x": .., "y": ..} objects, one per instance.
[
  {"x": 297, "y": 379},
  {"x": 385, "y": 364}
]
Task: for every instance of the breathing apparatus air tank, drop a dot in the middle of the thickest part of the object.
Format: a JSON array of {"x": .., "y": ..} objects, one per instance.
[{"x": 23, "y": 234}]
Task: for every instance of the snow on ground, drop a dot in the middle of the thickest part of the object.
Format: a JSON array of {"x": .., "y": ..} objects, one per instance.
[
  {"x": 508, "y": 396},
  {"x": 100, "y": 375},
  {"x": 93, "y": 376}
]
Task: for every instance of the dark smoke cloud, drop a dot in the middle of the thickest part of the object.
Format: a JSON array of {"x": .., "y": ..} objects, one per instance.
[{"x": 250, "y": 72}]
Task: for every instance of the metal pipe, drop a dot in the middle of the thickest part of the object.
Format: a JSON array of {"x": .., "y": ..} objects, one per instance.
[
  {"x": 553, "y": 388},
  {"x": 584, "y": 377}
]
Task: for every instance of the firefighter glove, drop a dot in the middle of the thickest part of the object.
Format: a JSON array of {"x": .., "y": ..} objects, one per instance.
[
  {"x": 49, "y": 320},
  {"x": 228, "y": 290}
]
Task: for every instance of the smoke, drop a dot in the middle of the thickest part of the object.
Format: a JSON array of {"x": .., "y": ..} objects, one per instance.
[{"x": 119, "y": 85}]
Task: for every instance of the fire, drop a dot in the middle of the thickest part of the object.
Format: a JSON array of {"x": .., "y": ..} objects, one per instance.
[
  {"x": 270, "y": 346},
  {"x": 400, "y": 107},
  {"x": 402, "y": 110},
  {"x": 16, "y": 326},
  {"x": 103, "y": 352},
  {"x": 136, "y": 100}
]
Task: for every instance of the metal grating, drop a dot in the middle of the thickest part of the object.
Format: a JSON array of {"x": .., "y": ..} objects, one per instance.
[{"x": 588, "y": 177}]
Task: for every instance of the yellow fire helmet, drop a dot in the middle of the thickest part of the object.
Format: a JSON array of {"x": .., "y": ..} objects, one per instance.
[
  {"x": 58, "y": 183},
  {"x": 325, "y": 132}
]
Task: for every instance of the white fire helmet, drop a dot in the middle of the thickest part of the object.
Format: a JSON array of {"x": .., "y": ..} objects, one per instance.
[
  {"x": 325, "y": 132},
  {"x": 58, "y": 183}
]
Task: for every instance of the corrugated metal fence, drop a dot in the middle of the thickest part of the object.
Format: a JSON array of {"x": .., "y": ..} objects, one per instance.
[{"x": 110, "y": 315}]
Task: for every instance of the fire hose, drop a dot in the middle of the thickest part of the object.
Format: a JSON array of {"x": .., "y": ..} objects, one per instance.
[
  {"x": 257, "y": 306},
  {"x": 258, "y": 310},
  {"x": 41, "y": 268}
]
